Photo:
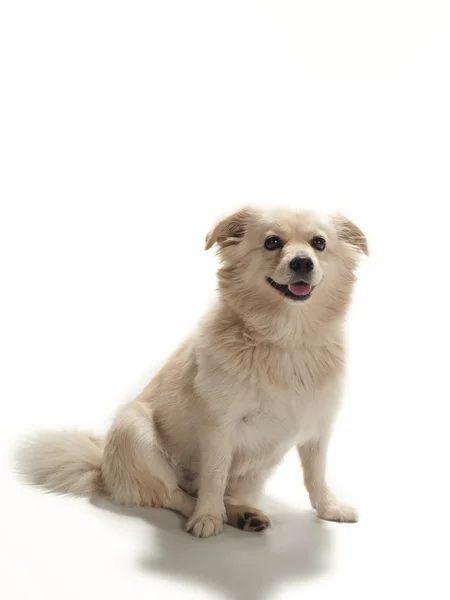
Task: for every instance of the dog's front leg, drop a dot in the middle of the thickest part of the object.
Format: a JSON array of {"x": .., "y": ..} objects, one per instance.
[
  {"x": 215, "y": 460},
  {"x": 313, "y": 455}
]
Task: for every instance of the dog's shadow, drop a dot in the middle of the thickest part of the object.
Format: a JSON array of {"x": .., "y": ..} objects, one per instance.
[{"x": 244, "y": 566}]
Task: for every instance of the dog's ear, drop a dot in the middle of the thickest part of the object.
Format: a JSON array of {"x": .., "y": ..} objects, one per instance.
[
  {"x": 229, "y": 231},
  {"x": 351, "y": 233}
]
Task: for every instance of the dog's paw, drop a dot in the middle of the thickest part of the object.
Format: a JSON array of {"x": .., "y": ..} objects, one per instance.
[
  {"x": 343, "y": 513},
  {"x": 253, "y": 521},
  {"x": 204, "y": 525}
]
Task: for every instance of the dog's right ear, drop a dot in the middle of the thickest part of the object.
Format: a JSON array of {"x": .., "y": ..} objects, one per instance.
[{"x": 230, "y": 230}]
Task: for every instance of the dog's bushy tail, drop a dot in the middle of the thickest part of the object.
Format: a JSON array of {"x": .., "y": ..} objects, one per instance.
[{"x": 68, "y": 462}]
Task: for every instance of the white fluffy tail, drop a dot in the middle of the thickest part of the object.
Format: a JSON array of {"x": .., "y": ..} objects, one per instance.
[{"x": 68, "y": 462}]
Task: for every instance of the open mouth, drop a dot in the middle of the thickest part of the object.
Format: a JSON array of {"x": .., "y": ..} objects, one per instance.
[{"x": 299, "y": 291}]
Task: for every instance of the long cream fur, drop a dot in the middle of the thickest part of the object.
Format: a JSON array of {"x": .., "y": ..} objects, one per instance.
[{"x": 260, "y": 375}]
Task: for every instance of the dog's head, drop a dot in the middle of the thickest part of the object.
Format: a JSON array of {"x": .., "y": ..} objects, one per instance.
[{"x": 282, "y": 254}]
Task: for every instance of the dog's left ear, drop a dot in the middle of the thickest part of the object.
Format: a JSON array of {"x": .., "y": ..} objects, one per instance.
[
  {"x": 351, "y": 233},
  {"x": 230, "y": 230}
]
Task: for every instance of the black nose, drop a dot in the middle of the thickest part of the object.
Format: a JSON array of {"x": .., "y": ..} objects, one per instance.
[{"x": 301, "y": 264}]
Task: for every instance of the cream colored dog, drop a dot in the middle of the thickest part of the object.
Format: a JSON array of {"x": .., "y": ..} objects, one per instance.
[{"x": 261, "y": 374}]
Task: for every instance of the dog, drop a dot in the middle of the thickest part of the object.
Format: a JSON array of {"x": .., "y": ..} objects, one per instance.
[{"x": 261, "y": 374}]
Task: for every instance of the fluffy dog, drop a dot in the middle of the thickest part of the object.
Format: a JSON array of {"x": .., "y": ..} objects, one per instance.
[{"x": 261, "y": 374}]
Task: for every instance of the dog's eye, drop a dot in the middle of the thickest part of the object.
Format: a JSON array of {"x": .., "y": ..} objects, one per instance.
[
  {"x": 273, "y": 243},
  {"x": 318, "y": 243}
]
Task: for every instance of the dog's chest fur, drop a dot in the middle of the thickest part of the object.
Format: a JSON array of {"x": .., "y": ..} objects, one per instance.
[
  {"x": 276, "y": 420},
  {"x": 271, "y": 397}
]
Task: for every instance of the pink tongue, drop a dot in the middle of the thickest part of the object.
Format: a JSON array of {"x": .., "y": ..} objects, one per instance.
[{"x": 299, "y": 289}]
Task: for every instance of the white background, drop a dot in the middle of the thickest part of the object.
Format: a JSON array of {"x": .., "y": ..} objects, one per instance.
[{"x": 127, "y": 128}]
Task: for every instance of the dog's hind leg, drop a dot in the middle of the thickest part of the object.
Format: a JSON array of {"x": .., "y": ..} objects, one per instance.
[{"x": 135, "y": 471}]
